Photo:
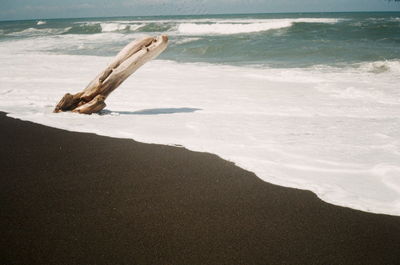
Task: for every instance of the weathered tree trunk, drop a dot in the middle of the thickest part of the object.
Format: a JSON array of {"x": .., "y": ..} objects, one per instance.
[{"x": 128, "y": 60}]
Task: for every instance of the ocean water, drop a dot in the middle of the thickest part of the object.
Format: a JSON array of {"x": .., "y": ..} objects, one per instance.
[{"x": 308, "y": 100}]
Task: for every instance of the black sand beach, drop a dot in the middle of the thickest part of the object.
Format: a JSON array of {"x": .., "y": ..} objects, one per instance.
[{"x": 75, "y": 198}]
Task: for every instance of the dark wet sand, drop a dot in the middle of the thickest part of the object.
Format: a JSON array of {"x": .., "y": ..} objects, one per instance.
[{"x": 74, "y": 198}]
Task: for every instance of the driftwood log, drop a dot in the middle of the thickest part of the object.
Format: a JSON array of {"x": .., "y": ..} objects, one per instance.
[{"x": 128, "y": 60}]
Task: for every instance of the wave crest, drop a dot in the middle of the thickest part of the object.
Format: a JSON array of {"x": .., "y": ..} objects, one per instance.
[
  {"x": 35, "y": 32},
  {"x": 246, "y": 26},
  {"x": 84, "y": 29},
  {"x": 379, "y": 67},
  {"x": 202, "y": 29},
  {"x": 116, "y": 27},
  {"x": 185, "y": 27}
]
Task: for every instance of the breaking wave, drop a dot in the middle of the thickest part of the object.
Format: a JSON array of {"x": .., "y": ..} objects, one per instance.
[
  {"x": 93, "y": 28},
  {"x": 180, "y": 27},
  {"x": 116, "y": 27},
  {"x": 248, "y": 27},
  {"x": 202, "y": 29},
  {"x": 377, "y": 67}
]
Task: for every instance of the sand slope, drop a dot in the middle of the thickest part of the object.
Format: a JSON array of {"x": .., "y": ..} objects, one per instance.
[{"x": 134, "y": 203}]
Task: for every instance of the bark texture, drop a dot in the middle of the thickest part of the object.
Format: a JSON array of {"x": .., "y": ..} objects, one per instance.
[{"x": 128, "y": 60}]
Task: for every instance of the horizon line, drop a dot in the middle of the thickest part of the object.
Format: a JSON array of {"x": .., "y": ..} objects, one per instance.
[{"x": 209, "y": 14}]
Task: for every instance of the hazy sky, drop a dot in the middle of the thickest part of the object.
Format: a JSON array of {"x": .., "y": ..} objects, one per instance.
[{"x": 34, "y": 9}]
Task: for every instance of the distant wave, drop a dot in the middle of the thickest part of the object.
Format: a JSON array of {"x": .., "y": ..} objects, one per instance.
[
  {"x": 157, "y": 27},
  {"x": 93, "y": 27},
  {"x": 185, "y": 27},
  {"x": 112, "y": 27},
  {"x": 87, "y": 28},
  {"x": 186, "y": 40},
  {"x": 249, "y": 27},
  {"x": 202, "y": 29},
  {"x": 35, "y": 31}
]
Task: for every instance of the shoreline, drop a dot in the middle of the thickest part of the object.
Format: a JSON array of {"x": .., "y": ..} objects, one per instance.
[{"x": 80, "y": 198}]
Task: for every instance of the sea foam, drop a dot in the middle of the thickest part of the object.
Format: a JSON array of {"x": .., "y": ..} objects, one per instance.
[
  {"x": 289, "y": 126},
  {"x": 331, "y": 126}
]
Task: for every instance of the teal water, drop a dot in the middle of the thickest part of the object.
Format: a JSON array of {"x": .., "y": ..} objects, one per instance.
[{"x": 275, "y": 40}]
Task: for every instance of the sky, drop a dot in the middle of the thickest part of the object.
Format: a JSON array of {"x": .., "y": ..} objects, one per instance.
[{"x": 36, "y": 9}]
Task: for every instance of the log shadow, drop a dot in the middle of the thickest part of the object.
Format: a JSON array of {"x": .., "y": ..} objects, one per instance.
[{"x": 157, "y": 111}]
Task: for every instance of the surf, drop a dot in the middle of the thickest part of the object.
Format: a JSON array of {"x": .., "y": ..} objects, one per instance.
[{"x": 293, "y": 107}]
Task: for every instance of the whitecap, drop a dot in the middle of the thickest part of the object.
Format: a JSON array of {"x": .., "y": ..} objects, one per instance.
[
  {"x": 245, "y": 26},
  {"x": 225, "y": 28},
  {"x": 119, "y": 26},
  {"x": 136, "y": 27},
  {"x": 110, "y": 27}
]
